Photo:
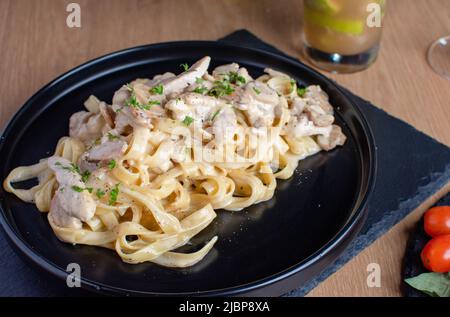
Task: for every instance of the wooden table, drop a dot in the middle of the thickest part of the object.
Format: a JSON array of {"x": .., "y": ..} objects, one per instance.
[{"x": 37, "y": 46}]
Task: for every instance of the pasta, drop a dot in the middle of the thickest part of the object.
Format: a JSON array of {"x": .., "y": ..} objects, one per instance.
[{"x": 146, "y": 173}]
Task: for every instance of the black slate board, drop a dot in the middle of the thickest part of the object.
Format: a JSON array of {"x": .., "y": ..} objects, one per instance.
[
  {"x": 412, "y": 264},
  {"x": 411, "y": 167}
]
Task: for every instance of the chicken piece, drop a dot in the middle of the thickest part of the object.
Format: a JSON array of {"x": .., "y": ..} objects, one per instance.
[
  {"x": 127, "y": 115},
  {"x": 333, "y": 139},
  {"x": 224, "y": 124},
  {"x": 159, "y": 78},
  {"x": 187, "y": 78},
  {"x": 124, "y": 121},
  {"x": 86, "y": 165},
  {"x": 314, "y": 95},
  {"x": 235, "y": 97},
  {"x": 99, "y": 155},
  {"x": 86, "y": 126},
  {"x": 244, "y": 73},
  {"x": 259, "y": 102},
  {"x": 144, "y": 95},
  {"x": 297, "y": 106},
  {"x": 71, "y": 203},
  {"x": 108, "y": 150},
  {"x": 107, "y": 113},
  {"x": 143, "y": 116},
  {"x": 208, "y": 77},
  {"x": 318, "y": 116},
  {"x": 223, "y": 71},
  {"x": 206, "y": 110},
  {"x": 121, "y": 96},
  {"x": 200, "y": 87},
  {"x": 317, "y": 108},
  {"x": 300, "y": 126},
  {"x": 59, "y": 215},
  {"x": 275, "y": 73},
  {"x": 197, "y": 106}
]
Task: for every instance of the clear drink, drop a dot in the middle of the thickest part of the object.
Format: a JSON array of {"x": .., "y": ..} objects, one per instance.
[{"x": 342, "y": 35}]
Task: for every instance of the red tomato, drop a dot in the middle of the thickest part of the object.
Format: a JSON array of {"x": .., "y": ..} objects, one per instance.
[
  {"x": 436, "y": 254},
  {"x": 437, "y": 221}
]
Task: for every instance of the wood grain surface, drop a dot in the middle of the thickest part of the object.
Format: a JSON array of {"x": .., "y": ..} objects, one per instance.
[{"x": 36, "y": 46}]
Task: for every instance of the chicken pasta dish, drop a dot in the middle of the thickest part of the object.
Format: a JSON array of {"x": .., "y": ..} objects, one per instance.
[{"x": 146, "y": 173}]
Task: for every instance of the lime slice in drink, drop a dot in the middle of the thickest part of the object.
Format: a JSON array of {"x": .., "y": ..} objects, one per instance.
[
  {"x": 353, "y": 27},
  {"x": 328, "y": 6}
]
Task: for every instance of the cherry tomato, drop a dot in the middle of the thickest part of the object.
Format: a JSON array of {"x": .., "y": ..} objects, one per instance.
[
  {"x": 436, "y": 254},
  {"x": 437, "y": 221}
]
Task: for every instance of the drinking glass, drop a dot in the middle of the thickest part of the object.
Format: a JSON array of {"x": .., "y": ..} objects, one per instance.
[
  {"x": 439, "y": 56},
  {"x": 342, "y": 36}
]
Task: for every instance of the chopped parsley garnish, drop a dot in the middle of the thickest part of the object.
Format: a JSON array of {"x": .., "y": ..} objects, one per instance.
[
  {"x": 187, "y": 121},
  {"x": 257, "y": 90},
  {"x": 185, "y": 66},
  {"x": 157, "y": 90},
  {"x": 114, "y": 192},
  {"x": 200, "y": 90},
  {"x": 221, "y": 88},
  {"x": 79, "y": 189},
  {"x": 293, "y": 83},
  {"x": 215, "y": 114},
  {"x": 144, "y": 107},
  {"x": 235, "y": 78},
  {"x": 75, "y": 169},
  {"x": 112, "y": 137},
  {"x": 99, "y": 193},
  {"x": 133, "y": 102},
  {"x": 154, "y": 102},
  {"x": 129, "y": 87},
  {"x": 72, "y": 168},
  {"x": 301, "y": 91},
  {"x": 199, "y": 80},
  {"x": 111, "y": 164},
  {"x": 85, "y": 176}
]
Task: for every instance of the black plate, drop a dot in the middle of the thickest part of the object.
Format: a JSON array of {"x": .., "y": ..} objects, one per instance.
[{"x": 266, "y": 249}]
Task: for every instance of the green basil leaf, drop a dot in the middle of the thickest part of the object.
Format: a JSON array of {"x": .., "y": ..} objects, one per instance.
[{"x": 433, "y": 284}]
